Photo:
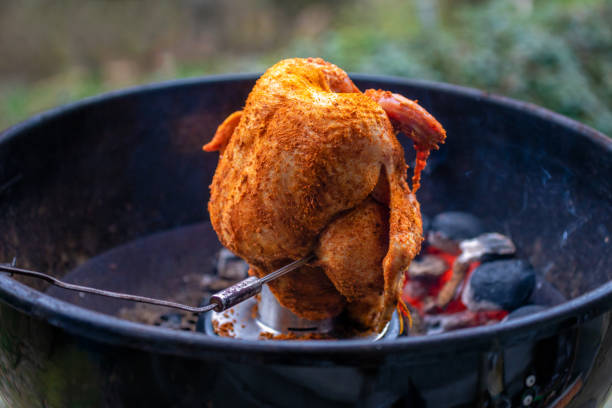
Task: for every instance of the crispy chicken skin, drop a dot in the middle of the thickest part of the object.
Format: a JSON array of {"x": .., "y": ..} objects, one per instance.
[
  {"x": 363, "y": 234},
  {"x": 308, "y": 291},
  {"x": 311, "y": 164}
]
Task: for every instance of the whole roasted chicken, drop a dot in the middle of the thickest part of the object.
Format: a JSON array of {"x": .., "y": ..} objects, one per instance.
[{"x": 313, "y": 165}]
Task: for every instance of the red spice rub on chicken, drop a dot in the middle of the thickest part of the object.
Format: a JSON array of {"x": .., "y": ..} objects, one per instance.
[{"x": 312, "y": 165}]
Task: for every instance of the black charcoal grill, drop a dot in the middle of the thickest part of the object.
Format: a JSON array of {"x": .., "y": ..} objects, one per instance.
[{"x": 111, "y": 193}]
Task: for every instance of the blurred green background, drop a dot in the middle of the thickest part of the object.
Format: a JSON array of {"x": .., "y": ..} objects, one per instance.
[{"x": 553, "y": 53}]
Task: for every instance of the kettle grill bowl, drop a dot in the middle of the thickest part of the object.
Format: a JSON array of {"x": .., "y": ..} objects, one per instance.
[{"x": 82, "y": 179}]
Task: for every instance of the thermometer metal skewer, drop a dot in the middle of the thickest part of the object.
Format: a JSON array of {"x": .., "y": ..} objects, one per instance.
[{"x": 219, "y": 302}]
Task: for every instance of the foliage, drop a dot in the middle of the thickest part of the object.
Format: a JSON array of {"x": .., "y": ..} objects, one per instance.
[
  {"x": 556, "y": 54},
  {"x": 558, "y": 57}
]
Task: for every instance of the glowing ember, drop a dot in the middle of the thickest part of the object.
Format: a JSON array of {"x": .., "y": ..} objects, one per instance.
[{"x": 421, "y": 295}]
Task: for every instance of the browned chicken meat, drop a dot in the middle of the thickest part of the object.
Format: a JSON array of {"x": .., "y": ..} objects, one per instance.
[{"x": 312, "y": 165}]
